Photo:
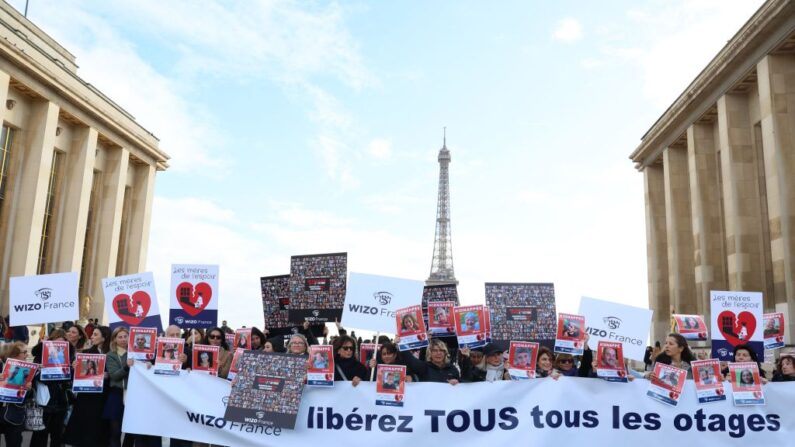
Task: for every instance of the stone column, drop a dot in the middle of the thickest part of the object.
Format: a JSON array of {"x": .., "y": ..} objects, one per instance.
[
  {"x": 741, "y": 196},
  {"x": 77, "y": 190},
  {"x": 679, "y": 230},
  {"x": 776, "y": 74},
  {"x": 657, "y": 250},
  {"x": 140, "y": 221},
  {"x": 37, "y": 145},
  {"x": 114, "y": 179},
  {"x": 709, "y": 259}
]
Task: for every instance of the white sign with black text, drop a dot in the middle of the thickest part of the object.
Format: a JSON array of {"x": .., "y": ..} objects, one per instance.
[
  {"x": 371, "y": 301},
  {"x": 43, "y": 299},
  {"x": 608, "y": 321}
]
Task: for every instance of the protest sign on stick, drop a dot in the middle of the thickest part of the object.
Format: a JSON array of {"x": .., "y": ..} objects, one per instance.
[
  {"x": 43, "y": 299},
  {"x": 194, "y": 296},
  {"x": 736, "y": 319},
  {"x": 131, "y": 301}
]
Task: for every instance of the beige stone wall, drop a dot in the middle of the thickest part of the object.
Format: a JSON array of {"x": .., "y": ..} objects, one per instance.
[
  {"x": 51, "y": 109},
  {"x": 708, "y": 238},
  {"x": 679, "y": 230},
  {"x": 657, "y": 249}
]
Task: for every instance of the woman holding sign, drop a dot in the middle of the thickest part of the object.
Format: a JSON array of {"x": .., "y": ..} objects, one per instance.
[
  {"x": 8, "y": 412},
  {"x": 437, "y": 367},
  {"x": 117, "y": 369},
  {"x": 215, "y": 337},
  {"x": 675, "y": 352},
  {"x": 346, "y": 367},
  {"x": 55, "y": 413},
  {"x": 86, "y": 426}
]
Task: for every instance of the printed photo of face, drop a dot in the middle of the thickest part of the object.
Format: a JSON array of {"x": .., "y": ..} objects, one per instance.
[{"x": 610, "y": 357}]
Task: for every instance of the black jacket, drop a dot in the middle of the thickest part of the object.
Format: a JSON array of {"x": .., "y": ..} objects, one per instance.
[
  {"x": 351, "y": 368},
  {"x": 428, "y": 372},
  {"x": 782, "y": 378}
]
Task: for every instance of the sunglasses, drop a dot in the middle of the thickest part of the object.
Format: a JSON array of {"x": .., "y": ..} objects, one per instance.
[
  {"x": 347, "y": 348},
  {"x": 214, "y": 337},
  {"x": 566, "y": 361}
]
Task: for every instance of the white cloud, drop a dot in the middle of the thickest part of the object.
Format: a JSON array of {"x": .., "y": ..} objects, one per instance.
[
  {"x": 678, "y": 39},
  {"x": 567, "y": 30},
  {"x": 380, "y": 149},
  {"x": 591, "y": 62}
]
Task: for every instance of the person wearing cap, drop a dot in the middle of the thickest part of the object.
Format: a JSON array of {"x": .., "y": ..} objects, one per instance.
[
  {"x": 495, "y": 365},
  {"x": 785, "y": 368}
]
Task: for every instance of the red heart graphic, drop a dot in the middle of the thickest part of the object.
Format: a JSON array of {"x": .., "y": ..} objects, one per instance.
[
  {"x": 132, "y": 310},
  {"x": 421, "y": 337},
  {"x": 719, "y": 391},
  {"x": 758, "y": 394},
  {"x": 737, "y": 329},
  {"x": 188, "y": 297},
  {"x": 398, "y": 397}
]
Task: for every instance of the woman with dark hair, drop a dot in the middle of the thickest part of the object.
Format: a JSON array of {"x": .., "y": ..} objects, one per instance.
[
  {"x": 746, "y": 378},
  {"x": 216, "y": 337},
  {"x": 675, "y": 352},
  {"x": 76, "y": 337},
  {"x": 545, "y": 364},
  {"x": 388, "y": 354},
  {"x": 785, "y": 368},
  {"x": 86, "y": 426},
  {"x": 56, "y": 408},
  {"x": 257, "y": 339},
  {"x": 346, "y": 367}
]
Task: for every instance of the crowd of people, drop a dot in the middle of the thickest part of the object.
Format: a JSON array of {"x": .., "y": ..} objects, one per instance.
[{"x": 95, "y": 419}]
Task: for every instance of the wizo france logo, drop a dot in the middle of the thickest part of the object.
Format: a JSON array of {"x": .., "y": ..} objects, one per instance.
[
  {"x": 44, "y": 293},
  {"x": 383, "y": 297},
  {"x": 612, "y": 322}
]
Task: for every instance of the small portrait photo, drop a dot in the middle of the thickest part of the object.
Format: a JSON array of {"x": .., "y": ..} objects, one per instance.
[
  {"x": 17, "y": 375},
  {"x": 470, "y": 322},
  {"x": 88, "y": 367},
  {"x": 320, "y": 360},
  {"x": 391, "y": 380},
  {"x": 441, "y": 316},
  {"x": 408, "y": 322},
  {"x": 522, "y": 358},
  {"x": 142, "y": 342},
  {"x": 609, "y": 356},
  {"x": 745, "y": 378},
  {"x": 571, "y": 328},
  {"x": 706, "y": 376},
  {"x": 205, "y": 360}
]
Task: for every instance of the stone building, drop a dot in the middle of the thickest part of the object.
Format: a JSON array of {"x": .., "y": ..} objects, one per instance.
[
  {"x": 719, "y": 174},
  {"x": 77, "y": 172}
]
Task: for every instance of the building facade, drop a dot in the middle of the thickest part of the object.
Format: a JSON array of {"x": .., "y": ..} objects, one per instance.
[
  {"x": 77, "y": 172},
  {"x": 719, "y": 174}
]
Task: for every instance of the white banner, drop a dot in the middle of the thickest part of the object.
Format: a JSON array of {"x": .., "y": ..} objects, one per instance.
[
  {"x": 539, "y": 412},
  {"x": 371, "y": 301},
  {"x": 608, "y": 321},
  {"x": 43, "y": 299}
]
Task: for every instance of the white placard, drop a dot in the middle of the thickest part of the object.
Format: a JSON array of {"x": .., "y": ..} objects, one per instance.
[
  {"x": 131, "y": 301},
  {"x": 608, "y": 321},
  {"x": 371, "y": 301},
  {"x": 43, "y": 299}
]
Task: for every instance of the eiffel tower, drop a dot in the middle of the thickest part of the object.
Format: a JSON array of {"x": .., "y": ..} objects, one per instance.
[{"x": 442, "y": 263}]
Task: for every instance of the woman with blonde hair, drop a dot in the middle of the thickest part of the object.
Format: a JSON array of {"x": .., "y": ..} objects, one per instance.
[{"x": 437, "y": 367}]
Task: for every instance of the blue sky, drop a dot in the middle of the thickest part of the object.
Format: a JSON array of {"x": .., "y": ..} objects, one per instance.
[{"x": 311, "y": 127}]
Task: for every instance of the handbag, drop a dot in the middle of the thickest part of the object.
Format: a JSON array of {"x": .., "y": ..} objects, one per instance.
[
  {"x": 14, "y": 414},
  {"x": 34, "y": 416}
]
